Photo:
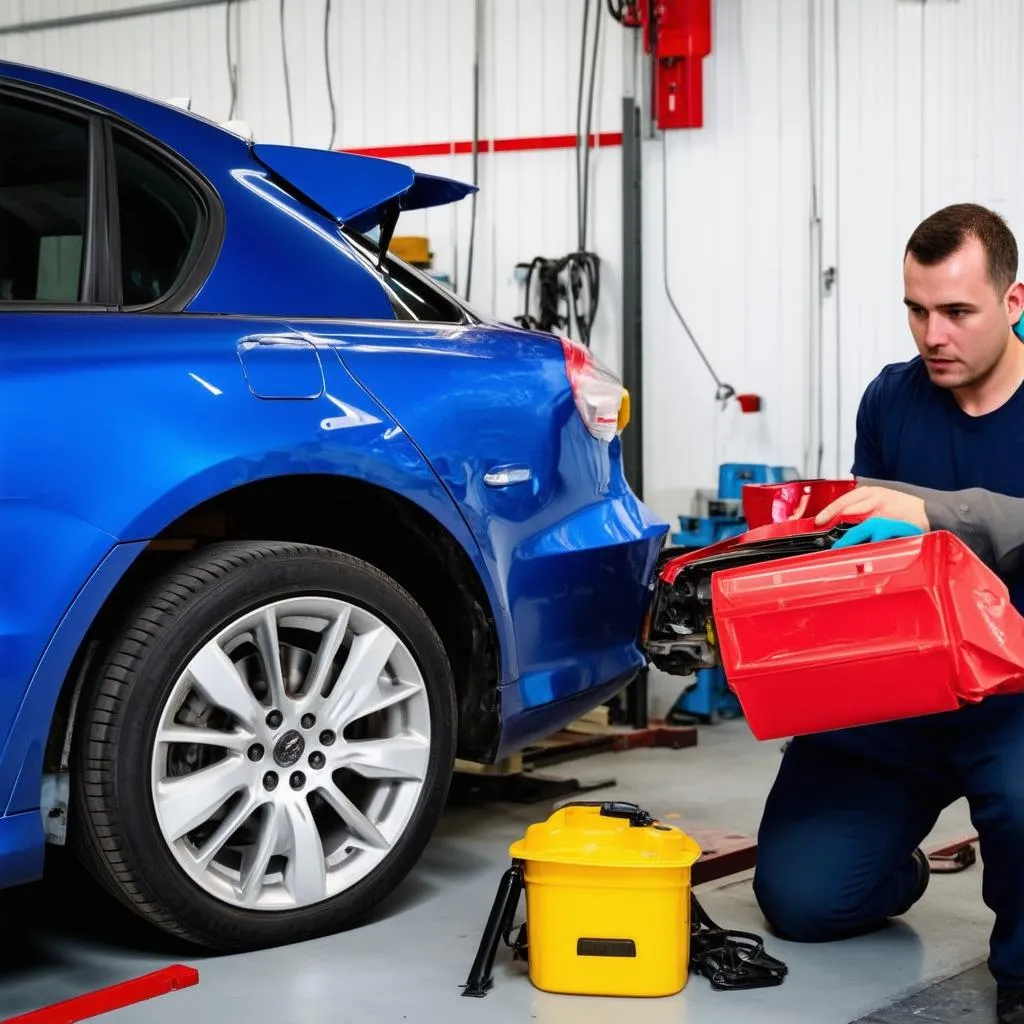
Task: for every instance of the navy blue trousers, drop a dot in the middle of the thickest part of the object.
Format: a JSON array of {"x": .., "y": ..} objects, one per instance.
[{"x": 848, "y": 809}]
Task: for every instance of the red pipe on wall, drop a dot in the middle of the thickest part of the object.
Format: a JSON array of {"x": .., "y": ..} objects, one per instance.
[{"x": 521, "y": 144}]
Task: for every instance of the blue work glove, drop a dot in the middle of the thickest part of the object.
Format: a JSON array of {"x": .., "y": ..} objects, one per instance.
[{"x": 875, "y": 529}]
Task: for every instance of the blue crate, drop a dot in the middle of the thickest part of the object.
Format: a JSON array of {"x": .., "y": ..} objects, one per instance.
[
  {"x": 708, "y": 700},
  {"x": 724, "y": 521},
  {"x": 733, "y": 475}
]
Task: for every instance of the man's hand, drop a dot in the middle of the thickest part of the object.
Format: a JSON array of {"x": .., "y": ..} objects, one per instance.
[{"x": 876, "y": 502}]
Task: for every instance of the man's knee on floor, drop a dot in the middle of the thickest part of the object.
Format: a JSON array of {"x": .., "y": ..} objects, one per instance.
[{"x": 801, "y": 907}]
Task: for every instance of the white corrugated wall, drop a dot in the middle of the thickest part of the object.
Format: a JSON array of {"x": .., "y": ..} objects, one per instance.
[
  {"x": 930, "y": 112},
  {"x": 831, "y": 128},
  {"x": 732, "y": 217}
]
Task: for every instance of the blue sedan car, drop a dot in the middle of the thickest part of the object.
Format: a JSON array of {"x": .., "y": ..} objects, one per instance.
[{"x": 285, "y": 527}]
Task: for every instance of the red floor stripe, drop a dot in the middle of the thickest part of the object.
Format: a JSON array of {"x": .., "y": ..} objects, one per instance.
[
  {"x": 521, "y": 144},
  {"x": 114, "y": 997}
]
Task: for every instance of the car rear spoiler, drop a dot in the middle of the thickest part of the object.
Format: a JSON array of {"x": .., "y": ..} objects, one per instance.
[{"x": 360, "y": 192}]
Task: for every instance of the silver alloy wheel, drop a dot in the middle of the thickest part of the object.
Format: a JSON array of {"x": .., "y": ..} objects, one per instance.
[{"x": 291, "y": 754}]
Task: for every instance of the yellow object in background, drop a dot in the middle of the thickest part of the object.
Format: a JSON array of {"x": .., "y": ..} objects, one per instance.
[
  {"x": 414, "y": 249},
  {"x": 607, "y": 901},
  {"x": 625, "y": 410}
]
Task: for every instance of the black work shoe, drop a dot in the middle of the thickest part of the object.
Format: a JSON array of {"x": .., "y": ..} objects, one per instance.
[
  {"x": 1010, "y": 1005},
  {"x": 924, "y": 874}
]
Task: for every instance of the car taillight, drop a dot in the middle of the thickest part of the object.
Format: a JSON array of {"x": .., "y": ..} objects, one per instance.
[{"x": 602, "y": 401}]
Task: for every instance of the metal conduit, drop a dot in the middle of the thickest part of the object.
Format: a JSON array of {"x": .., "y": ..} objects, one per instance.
[{"x": 164, "y": 7}]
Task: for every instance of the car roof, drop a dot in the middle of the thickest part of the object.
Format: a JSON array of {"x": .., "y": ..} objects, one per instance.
[{"x": 130, "y": 105}]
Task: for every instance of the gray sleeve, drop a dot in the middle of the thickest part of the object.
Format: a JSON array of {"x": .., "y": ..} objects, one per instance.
[{"x": 990, "y": 524}]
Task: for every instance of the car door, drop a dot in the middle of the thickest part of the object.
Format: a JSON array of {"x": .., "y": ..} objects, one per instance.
[{"x": 52, "y": 229}]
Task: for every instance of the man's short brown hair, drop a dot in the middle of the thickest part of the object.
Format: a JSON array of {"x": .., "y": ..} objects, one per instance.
[{"x": 944, "y": 232}]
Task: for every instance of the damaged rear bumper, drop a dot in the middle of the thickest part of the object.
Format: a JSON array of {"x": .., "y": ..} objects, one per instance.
[{"x": 680, "y": 634}]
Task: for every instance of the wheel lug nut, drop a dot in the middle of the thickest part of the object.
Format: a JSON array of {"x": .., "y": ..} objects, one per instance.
[
  {"x": 327, "y": 737},
  {"x": 298, "y": 780},
  {"x": 308, "y": 721},
  {"x": 317, "y": 760},
  {"x": 255, "y": 752},
  {"x": 270, "y": 780},
  {"x": 274, "y": 719}
]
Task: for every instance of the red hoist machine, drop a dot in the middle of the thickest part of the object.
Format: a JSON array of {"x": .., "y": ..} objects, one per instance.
[{"x": 677, "y": 35}]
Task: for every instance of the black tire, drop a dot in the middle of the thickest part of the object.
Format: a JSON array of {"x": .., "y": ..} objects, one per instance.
[{"x": 113, "y": 824}]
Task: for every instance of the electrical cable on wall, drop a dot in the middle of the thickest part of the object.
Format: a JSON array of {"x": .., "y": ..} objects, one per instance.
[
  {"x": 478, "y": 28},
  {"x": 327, "y": 72},
  {"x": 232, "y": 67},
  {"x": 837, "y": 100},
  {"x": 817, "y": 312},
  {"x": 568, "y": 289},
  {"x": 585, "y": 217},
  {"x": 723, "y": 391},
  {"x": 287, "y": 79},
  {"x": 581, "y": 151},
  {"x": 617, "y": 9}
]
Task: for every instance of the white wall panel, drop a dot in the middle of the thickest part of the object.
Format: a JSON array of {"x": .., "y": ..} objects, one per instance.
[
  {"x": 737, "y": 217},
  {"x": 930, "y": 113}
]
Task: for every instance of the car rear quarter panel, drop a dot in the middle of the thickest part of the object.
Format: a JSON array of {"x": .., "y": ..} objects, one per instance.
[{"x": 572, "y": 549}]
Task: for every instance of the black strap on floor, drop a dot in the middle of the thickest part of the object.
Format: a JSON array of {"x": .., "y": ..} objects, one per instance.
[{"x": 730, "y": 959}]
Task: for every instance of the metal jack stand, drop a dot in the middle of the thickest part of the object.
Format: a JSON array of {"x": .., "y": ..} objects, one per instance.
[{"x": 499, "y": 923}]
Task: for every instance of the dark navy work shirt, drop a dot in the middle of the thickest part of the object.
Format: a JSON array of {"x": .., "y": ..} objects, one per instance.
[{"x": 910, "y": 431}]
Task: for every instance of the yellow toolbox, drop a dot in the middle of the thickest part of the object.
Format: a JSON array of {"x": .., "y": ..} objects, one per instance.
[
  {"x": 414, "y": 249},
  {"x": 607, "y": 903}
]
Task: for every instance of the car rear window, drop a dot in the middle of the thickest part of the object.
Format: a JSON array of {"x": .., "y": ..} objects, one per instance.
[{"x": 161, "y": 223}]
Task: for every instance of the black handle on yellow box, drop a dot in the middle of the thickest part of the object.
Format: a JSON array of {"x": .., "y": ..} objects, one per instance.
[{"x": 634, "y": 813}]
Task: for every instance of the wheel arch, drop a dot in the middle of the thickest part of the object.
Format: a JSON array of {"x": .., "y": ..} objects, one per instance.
[{"x": 363, "y": 519}]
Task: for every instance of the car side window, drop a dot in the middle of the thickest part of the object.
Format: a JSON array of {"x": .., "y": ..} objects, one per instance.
[
  {"x": 44, "y": 185},
  {"x": 161, "y": 221}
]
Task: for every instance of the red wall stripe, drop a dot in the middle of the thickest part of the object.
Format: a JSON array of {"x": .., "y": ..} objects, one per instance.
[
  {"x": 114, "y": 997},
  {"x": 520, "y": 144}
]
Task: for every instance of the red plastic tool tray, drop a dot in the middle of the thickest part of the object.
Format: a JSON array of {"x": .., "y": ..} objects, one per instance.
[
  {"x": 776, "y": 503},
  {"x": 865, "y": 634}
]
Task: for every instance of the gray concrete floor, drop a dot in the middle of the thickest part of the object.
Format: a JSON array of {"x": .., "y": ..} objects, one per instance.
[{"x": 62, "y": 938}]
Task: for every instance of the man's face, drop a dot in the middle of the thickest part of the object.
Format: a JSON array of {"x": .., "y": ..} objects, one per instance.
[{"x": 960, "y": 322}]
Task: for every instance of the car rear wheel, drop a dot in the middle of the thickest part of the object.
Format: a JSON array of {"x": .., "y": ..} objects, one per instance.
[{"x": 267, "y": 748}]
